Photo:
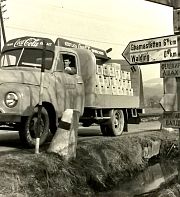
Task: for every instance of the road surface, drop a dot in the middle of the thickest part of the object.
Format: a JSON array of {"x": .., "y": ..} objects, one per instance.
[{"x": 9, "y": 140}]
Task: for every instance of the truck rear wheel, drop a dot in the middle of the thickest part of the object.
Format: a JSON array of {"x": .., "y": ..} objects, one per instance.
[
  {"x": 115, "y": 125},
  {"x": 29, "y": 125}
]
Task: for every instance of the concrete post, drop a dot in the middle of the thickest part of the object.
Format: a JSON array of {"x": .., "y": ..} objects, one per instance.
[{"x": 64, "y": 141}]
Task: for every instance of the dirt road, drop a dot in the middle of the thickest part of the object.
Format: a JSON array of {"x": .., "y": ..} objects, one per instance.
[{"x": 9, "y": 140}]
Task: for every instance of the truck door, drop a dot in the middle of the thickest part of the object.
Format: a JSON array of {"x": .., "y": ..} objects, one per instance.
[{"x": 69, "y": 85}]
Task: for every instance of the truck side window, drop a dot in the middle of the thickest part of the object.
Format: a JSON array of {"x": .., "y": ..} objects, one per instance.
[{"x": 69, "y": 64}]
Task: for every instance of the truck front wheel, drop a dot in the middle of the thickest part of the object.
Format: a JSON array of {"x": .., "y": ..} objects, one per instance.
[
  {"x": 29, "y": 125},
  {"x": 115, "y": 125}
]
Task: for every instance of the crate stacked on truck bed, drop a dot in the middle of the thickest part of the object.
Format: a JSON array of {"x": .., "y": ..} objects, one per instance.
[{"x": 112, "y": 80}]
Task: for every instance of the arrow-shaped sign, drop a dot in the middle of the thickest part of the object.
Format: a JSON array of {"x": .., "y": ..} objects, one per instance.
[
  {"x": 171, "y": 3},
  {"x": 152, "y": 50},
  {"x": 168, "y": 102}
]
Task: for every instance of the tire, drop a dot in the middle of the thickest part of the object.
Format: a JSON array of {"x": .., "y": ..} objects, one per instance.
[
  {"x": 115, "y": 125},
  {"x": 104, "y": 129},
  {"x": 28, "y": 126}
]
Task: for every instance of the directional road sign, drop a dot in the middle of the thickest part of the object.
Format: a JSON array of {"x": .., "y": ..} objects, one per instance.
[
  {"x": 168, "y": 102},
  {"x": 169, "y": 99},
  {"x": 170, "y": 69},
  {"x": 152, "y": 50},
  {"x": 172, "y": 3},
  {"x": 170, "y": 119}
]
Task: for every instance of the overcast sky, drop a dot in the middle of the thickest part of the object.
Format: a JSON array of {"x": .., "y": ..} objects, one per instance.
[{"x": 99, "y": 23}]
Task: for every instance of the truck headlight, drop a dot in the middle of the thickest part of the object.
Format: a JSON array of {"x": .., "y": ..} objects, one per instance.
[{"x": 11, "y": 99}]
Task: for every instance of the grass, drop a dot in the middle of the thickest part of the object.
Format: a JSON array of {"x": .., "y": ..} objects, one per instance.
[{"x": 100, "y": 164}]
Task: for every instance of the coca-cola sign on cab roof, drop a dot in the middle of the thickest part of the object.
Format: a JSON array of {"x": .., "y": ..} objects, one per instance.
[{"x": 29, "y": 42}]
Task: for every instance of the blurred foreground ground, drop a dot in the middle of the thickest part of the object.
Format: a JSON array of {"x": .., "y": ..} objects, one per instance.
[{"x": 101, "y": 163}]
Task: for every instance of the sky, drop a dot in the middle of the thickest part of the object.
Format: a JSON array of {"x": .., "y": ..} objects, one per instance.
[{"x": 100, "y": 23}]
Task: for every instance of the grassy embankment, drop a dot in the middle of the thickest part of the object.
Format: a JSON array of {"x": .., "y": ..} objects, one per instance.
[{"x": 101, "y": 163}]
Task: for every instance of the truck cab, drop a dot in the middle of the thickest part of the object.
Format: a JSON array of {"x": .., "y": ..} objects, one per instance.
[{"x": 20, "y": 74}]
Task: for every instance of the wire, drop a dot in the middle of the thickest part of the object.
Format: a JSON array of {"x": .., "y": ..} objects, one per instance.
[
  {"x": 87, "y": 14},
  {"x": 76, "y": 37},
  {"x": 81, "y": 13}
]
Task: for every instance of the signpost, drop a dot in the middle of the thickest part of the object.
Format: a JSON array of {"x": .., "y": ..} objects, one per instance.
[
  {"x": 176, "y": 20},
  {"x": 164, "y": 50},
  {"x": 176, "y": 11},
  {"x": 152, "y": 50},
  {"x": 39, "y": 120}
]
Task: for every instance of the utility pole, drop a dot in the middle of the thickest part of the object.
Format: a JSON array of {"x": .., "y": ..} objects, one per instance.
[{"x": 2, "y": 30}]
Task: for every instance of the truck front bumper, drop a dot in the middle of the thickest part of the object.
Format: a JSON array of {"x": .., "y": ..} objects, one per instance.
[{"x": 9, "y": 117}]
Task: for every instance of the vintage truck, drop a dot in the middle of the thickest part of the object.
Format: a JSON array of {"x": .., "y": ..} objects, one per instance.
[{"x": 104, "y": 91}]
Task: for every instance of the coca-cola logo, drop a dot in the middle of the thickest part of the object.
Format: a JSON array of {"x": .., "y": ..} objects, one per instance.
[{"x": 30, "y": 42}]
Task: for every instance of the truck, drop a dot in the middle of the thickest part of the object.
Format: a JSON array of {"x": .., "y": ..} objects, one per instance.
[{"x": 103, "y": 91}]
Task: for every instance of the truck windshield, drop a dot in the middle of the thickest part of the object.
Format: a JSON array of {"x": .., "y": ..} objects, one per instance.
[{"x": 25, "y": 57}]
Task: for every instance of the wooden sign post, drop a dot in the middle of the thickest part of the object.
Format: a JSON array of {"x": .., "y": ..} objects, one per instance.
[
  {"x": 39, "y": 121},
  {"x": 178, "y": 108},
  {"x": 176, "y": 25},
  {"x": 164, "y": 50},
  {"x": 173, "y": 70}
]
